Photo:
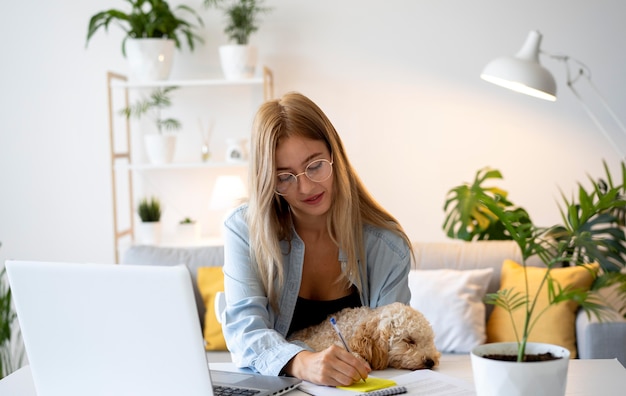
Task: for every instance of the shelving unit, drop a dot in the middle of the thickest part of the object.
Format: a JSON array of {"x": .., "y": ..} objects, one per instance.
[{"x": 122, "y": 165}]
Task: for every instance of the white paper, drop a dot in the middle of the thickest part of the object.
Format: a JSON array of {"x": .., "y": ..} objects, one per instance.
[
  {"x": 419, "y": 382},
  {"x": 432, "y": 383}
]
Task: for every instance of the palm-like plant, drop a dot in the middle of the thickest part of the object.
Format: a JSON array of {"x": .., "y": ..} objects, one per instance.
[
  {"x": 7, "y": 317},
  {"x": 148, "y": 19},
  {"x": 11, "y": 346},
  {"x": 467, "y": 219},
  {"x": 242, "y": 16},
  {"x": 158, "y": 100},
  {"x": 591, "y": 233}
]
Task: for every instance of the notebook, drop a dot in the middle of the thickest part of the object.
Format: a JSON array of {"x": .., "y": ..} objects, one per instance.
[{"x": 105, "y": 329}]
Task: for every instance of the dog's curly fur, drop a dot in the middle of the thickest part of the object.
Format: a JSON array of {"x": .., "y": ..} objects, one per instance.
[{"x": 394, "y": 335}]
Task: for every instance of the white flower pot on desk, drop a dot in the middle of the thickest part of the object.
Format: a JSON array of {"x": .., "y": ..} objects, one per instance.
[{"x": 497, "y": 377}]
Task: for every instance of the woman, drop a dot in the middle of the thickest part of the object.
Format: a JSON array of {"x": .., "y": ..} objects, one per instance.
[{"x": 310, "y": 241}]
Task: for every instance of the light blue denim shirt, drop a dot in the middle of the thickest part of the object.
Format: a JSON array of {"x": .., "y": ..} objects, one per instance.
[{"x": 254, "y": 332}]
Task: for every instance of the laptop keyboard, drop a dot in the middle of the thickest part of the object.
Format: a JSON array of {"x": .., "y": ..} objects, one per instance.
[{"x": 232, "y": 391}]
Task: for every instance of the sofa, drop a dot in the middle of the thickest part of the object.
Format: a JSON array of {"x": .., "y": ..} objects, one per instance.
[{"x": 448, "y": 282}]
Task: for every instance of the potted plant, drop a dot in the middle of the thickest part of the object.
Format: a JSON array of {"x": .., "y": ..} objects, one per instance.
[
  {"x": 238, "y": 60},
  {"x": 161, "y": 146},
  {"x": 188, "y": 230},
  {"x": 149, "y": 230},
  {"x": 590, "y": 233},
  {"x": 152, "y": 31}
]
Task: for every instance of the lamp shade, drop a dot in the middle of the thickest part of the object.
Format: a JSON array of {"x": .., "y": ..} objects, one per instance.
[
  {"x": 228, "y": 191},
  {"x": 523, "y": 73}
]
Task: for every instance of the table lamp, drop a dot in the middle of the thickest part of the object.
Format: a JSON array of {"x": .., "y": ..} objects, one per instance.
[{"x": 228, "y": 192}]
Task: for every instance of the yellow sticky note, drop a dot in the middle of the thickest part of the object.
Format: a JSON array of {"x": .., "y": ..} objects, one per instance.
[{"x": 371, "y": 384}]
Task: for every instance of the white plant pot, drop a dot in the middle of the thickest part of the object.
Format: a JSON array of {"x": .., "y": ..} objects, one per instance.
[
  {"x": 188, "y": 232},
  {"x": 150, "y": 59},
  {"x": 149, "y": 233},
  {"x": 238, "y": 61},
  {"x": 160, "y": 148},
  {"x": 496, "y": 377}
]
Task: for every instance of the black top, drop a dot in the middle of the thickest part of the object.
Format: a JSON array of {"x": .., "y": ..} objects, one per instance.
[{"x": 311, "y": 312}]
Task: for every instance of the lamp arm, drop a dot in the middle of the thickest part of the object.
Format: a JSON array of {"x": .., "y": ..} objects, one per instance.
[
  {"x": 584, "y": 72},
  {"x": 597, "y": 121}
]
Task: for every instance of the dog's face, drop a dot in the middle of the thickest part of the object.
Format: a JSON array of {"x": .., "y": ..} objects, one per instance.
[{"x": 398, "y": 336}]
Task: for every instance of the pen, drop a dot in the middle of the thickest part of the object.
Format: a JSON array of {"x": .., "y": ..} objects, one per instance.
[{"x": 333, "y": 322}]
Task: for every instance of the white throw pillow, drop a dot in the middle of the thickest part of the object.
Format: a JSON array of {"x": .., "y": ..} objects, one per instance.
[{"x": 452, "y": 301}]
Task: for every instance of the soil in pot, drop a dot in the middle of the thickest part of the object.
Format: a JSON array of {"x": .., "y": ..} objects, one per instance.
[{"x": 539, "y": 357}]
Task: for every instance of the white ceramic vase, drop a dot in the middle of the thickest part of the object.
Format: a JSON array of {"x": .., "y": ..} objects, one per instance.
[
  {"x": 160, "y": 148},
  {"x": 238, "y": 61},
  {"x": 149, "y": 233},
  {"x": 150, "y": 59},
  {"x": 497, "y": 378}
]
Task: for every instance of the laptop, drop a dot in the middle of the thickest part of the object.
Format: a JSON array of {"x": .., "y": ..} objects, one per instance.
[{"x": 106, "y": 329}]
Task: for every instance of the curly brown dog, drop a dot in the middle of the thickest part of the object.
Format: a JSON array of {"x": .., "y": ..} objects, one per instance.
[{"x": 394, "y": 335}]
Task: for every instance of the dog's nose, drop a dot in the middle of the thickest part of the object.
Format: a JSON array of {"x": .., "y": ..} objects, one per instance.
[{"x": 429, "y": 363}]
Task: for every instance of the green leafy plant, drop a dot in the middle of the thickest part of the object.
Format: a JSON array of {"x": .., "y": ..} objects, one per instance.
[
  {"x": 591, "y": 233},
  {"x": 242, "y": 17},
  {"x": 153, "y": 106},
  {"x": 149, "y": 19},
  {"x": 149, "y": 210},
  {"x": 187, "y": 220},
  {"x": 468, "y": 219},
  {"x": 11, "y": 347}
]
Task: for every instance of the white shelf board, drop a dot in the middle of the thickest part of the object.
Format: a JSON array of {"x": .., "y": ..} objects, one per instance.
[
  {"x": 186, "y": 83},
  {"x": 181, "y": 165}
]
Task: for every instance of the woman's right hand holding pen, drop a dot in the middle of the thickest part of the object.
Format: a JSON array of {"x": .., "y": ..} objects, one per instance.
[{"x": 334, "y": 366}]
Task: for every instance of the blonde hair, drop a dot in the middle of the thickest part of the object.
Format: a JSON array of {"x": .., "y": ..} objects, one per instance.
[{"x": 268, "y": 216}]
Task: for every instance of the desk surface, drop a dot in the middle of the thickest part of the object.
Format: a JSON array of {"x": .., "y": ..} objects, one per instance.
[{"x": 591, "y": 377}]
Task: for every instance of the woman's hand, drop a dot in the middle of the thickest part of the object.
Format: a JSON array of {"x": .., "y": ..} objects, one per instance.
[{"x": 334, "y": 366}]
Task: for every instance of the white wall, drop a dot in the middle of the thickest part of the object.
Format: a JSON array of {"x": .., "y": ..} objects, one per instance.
[{"x": 398, "y": 78}]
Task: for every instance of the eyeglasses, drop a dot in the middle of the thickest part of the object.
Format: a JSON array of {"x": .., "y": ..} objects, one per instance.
[{"x": 317, "y": 171}]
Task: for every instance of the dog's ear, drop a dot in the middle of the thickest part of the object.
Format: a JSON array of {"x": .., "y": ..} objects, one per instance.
[{"x": 371, "y": 343}]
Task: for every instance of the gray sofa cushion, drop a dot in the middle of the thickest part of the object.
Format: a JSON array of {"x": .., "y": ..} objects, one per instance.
[{"x": 192, "y": 257}]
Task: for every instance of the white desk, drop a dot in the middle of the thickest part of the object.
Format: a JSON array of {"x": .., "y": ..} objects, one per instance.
[{"x": 606, "y": 377}]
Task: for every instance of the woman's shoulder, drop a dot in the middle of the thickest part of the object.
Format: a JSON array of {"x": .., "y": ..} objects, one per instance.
[
  {"x": 376, "y": 237},
  {"x": 237, "y": 217}
]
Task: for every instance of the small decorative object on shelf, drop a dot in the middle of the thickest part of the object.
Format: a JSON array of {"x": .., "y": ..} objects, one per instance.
[
  {"x": 236, "y": 150},
  {"x": 152, "y": 31},
  {"x": 239, "y": 60},
  {"x": 149, "y": 230},
  {"x": 205, "y": 154}
]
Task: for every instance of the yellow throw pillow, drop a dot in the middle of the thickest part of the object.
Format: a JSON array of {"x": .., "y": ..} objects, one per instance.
[
  {"x": 211, "y": 281},
  {"x": 557, "y": 324}
]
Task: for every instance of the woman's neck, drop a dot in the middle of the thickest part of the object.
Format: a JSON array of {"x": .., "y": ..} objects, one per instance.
[{"x": 311, "y": 228}]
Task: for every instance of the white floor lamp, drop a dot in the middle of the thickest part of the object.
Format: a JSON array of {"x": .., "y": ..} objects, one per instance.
[{"x": 524, "y": 73}]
